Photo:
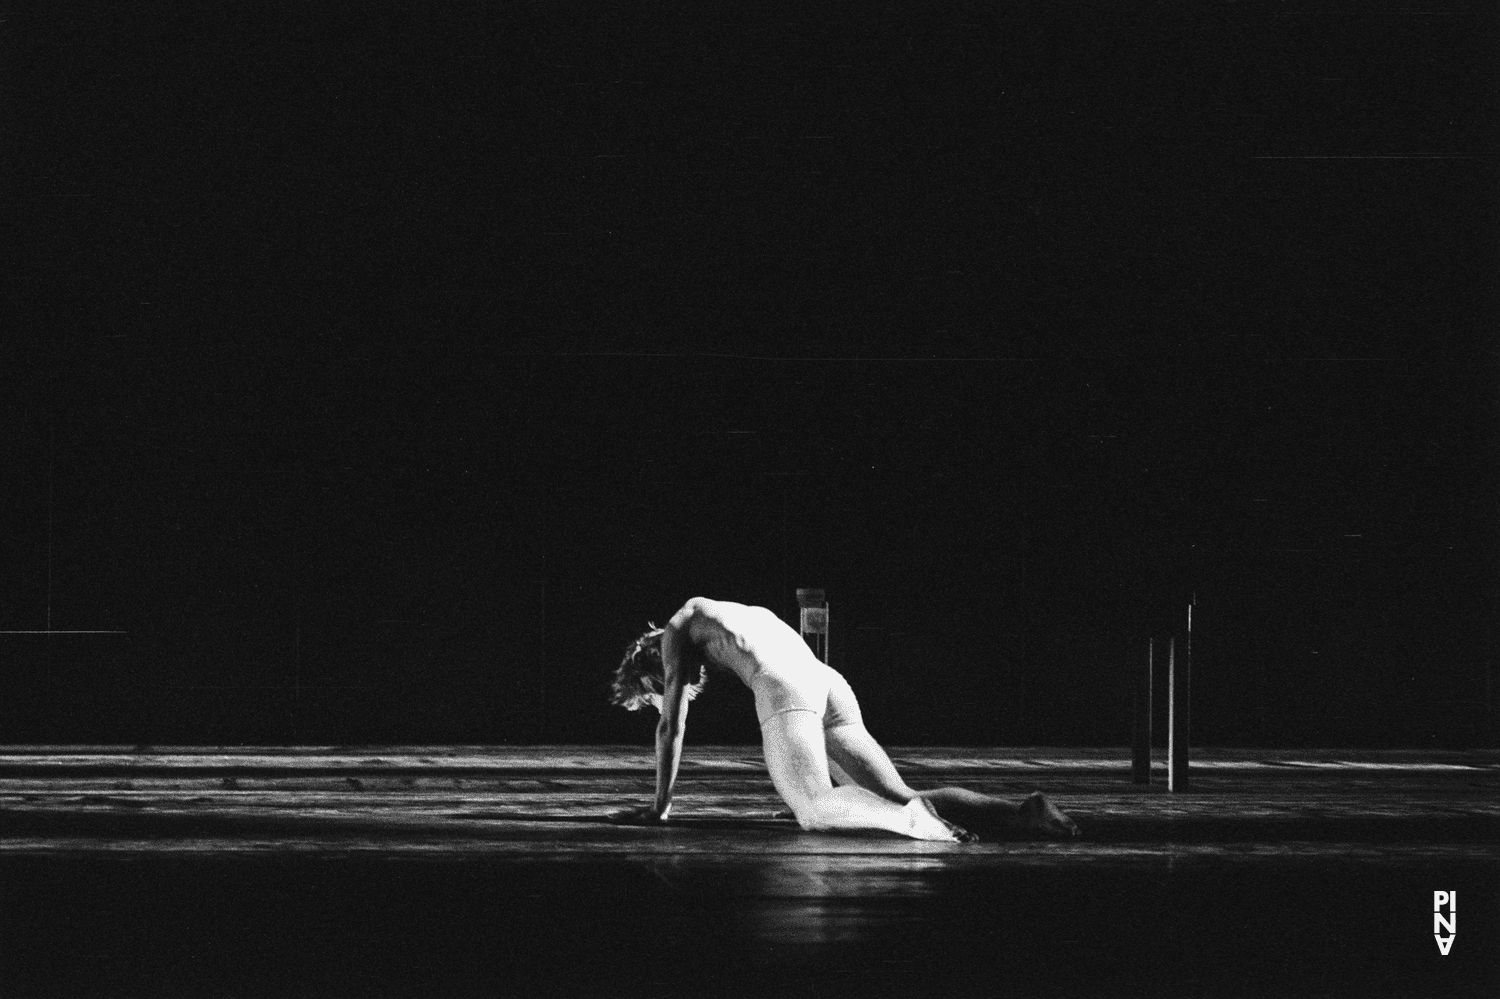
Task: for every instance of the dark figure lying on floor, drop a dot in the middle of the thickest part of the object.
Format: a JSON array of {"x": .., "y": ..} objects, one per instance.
[{"x": 811, "y": 728}]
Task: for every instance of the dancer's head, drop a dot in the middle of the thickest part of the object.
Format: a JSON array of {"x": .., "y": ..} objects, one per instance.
[{"x": 639, "y": 679}]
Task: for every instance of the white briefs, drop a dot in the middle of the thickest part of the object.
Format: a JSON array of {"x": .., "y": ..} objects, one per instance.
[{"x": 807, "y": 686}]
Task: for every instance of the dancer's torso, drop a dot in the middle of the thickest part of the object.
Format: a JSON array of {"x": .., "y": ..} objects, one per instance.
[{"x": 752, "y": 642}]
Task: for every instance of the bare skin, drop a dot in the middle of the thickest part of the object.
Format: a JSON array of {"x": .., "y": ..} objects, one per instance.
[{"x": 802, "y": 756}]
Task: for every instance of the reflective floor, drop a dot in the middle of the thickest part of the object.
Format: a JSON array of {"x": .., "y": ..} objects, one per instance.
[{"x": 436, "y": 871}]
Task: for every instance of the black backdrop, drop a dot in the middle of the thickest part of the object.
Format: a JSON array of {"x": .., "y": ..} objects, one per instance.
[{"x": 380, "y": 378}]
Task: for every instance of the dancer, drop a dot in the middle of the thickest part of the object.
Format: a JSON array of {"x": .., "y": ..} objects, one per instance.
[{"x": 827, "y": 768}]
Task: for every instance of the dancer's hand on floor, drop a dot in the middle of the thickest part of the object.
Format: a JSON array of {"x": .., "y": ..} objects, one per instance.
[{"x": 646, "y": 815}]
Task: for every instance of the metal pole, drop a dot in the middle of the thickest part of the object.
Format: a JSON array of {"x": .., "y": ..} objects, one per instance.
[{"x": 1179, "y": 701}]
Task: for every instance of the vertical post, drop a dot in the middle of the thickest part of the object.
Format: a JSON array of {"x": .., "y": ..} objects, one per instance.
[
  {"x": 1141, "y": 728},
  {"x": 814, "y": 623},
  {"x": 1179, "y": 702}
]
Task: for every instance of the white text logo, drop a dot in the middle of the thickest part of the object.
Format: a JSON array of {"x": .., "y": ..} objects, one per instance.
[{"x": 1442, "y": 923}]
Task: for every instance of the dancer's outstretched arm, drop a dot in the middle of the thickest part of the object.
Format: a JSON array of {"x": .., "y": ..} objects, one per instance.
[{"x": 669, "y": 732}]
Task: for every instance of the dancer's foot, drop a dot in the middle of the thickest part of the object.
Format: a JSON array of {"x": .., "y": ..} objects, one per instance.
[
  {"x": 927, "y": 824},
  {"x": 1040, "y": 815}
]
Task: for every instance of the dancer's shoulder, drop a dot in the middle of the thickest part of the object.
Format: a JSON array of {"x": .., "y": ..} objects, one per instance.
[
  {"x": 695, "y": 607},
  {"x": 720, "y": 612}
]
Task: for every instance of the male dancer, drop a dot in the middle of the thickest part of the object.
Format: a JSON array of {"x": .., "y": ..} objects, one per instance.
[{"x": 810, "y": 726}]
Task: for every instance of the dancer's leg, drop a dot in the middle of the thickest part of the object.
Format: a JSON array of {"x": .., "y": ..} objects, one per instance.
[
  {"x": 798, "y": 762},
  {"x": 868, "y": 765},
  {"x": 857, "y": 753}
]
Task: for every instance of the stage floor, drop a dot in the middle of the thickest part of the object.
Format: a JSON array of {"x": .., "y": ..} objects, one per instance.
[{"x": 491, "y": 871}]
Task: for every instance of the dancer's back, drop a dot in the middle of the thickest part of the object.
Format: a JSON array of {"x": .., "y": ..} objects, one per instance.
[{"x": 751, "y": 642}]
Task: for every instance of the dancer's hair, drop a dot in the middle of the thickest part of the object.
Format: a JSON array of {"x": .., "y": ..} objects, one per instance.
[{"x": 640, "y": 680}]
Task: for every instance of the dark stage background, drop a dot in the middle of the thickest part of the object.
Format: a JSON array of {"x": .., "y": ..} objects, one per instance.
[{"x": 380, "y": 378}]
